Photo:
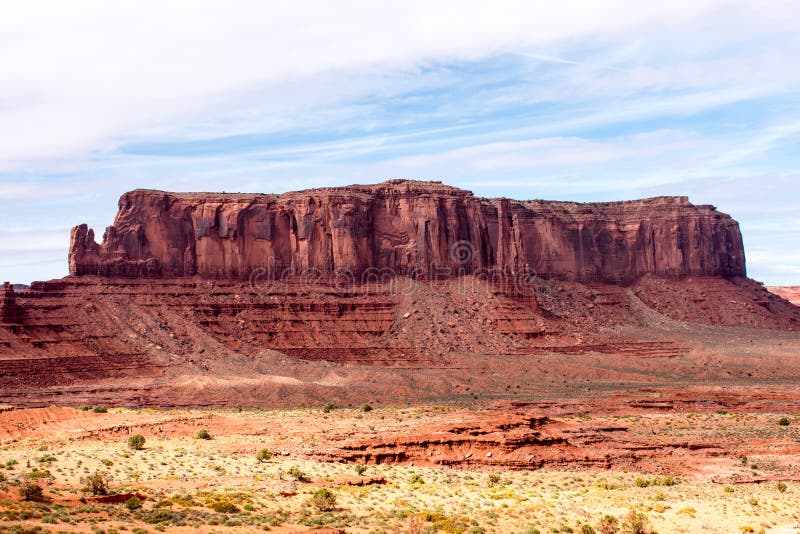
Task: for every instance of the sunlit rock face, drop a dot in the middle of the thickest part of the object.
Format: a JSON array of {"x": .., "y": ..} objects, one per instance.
[{"x": 422, "y": 229}]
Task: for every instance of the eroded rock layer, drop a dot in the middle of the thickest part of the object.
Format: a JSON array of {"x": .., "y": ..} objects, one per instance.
[
  {"x": 422, "y": 229},
  {"x": 397, "y": 292}
]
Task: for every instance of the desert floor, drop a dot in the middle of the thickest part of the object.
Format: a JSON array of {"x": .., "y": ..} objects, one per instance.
[{"x": 731, "y": 471}]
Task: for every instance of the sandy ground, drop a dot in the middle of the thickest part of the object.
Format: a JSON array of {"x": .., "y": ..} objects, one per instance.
[{"x": 748, "y": 481}]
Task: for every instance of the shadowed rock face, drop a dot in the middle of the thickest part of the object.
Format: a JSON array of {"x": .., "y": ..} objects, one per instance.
[
  {"x": 9, "y": 311},
  {"x": 423, "y": 229}
]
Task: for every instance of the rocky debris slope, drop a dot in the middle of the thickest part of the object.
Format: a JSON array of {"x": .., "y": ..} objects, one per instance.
[
  {"x": 420, "y": 229},
  {"x": 509, "y": 439},
  {"x": 401, "y": 290},
  {"x": 790, "y": 293}
]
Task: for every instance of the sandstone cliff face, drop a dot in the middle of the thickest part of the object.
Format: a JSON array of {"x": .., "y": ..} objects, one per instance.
[
  {"x": 424, "y": 229},
  {"x": 10, "y": 312}
]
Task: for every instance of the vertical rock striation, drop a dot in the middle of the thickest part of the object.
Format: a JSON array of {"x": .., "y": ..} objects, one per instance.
[
  {"x": 423, "y": 229},
  {"x": 10, "y": 312}
]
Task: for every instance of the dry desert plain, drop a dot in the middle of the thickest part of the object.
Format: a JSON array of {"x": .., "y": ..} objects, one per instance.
[{"x": 508, "y": 467}]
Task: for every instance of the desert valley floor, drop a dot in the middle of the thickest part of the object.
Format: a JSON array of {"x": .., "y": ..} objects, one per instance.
[
  {"x": 667, "y": 460},
  {"x": 580, "y": 368}
]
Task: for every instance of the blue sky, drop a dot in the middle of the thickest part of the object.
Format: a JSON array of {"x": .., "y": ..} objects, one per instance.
[{"x": 575, "y": 101}]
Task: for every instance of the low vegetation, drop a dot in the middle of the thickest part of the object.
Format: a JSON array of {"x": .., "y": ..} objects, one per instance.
[
  {"x": 237, "y": 482},
  {"x": 136, "y": 442}
]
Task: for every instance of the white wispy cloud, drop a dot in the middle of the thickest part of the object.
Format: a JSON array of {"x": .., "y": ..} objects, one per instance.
[
  {"x": 83, "y": 76},
  {"x": 580, "y": 100}
]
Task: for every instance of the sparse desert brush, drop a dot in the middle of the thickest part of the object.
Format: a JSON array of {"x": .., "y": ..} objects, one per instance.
[
  {"x": 606, "y": 485},
  {"x": 783, "y": 421},
  {"x": 587, "y": 529},
  {"x": 366, "y": 408},
  {"x": 360, "y": 469},
  {"x": 134, "y": 503},
  {"x": 39, "y": 473},
  {"x": 298, "y": 475},
  {"x": 416, "y": 478},
  {"x": 264, "y": 455},
  {"x": 414, "y": 525},
  {"x": 100, "y": 409},
  {"x": 30, "y": 491},
  {"x": 781, "y": 486},
  {"x": 668, "y": 480},
  {"x": 136, "y": 442},
  {"x": 636, "y": 523},
  {"x": 162, "y": 515},
  {"x": 203, "y": 434},
  {"x": 224, "y": 506},
  {"x": 323, "y": 500},
  {"x": 329, "y": 407},
  {"x": 96, "y": 483}
]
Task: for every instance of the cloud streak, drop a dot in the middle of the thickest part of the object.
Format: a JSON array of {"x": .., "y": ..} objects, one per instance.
[{"x": 579, "y": 101}]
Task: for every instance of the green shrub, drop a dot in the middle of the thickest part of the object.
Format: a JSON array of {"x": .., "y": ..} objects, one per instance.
[
  {"x": 783, "y": 421},
  {"x": 781, "y": 486},
  {"x": 416, "y": 478},
  {"x": 100, "y": 409},
  {"x": 161, "y": 515},
  {"x": 667, "y": 480},
  {"x": 134, "y": 503},
  {"x": 636, "y": 523},
  {"x": 587, "y": 529},
  {"x": 298, "y": 475},
  {"x": 329, "y": 407},
  {"x": 366, "y": 408},
  {"x": 40, "y": 473},
  {"x": 203, "y": 434},
  {"x": 608, "y": 525},
  {"x": 224, "y": 507},
  {"x": 360, "y": 469},
  {"x": 136, "y": 442},
  {"x": 263, "y": 455},
  {"x": 96, "y": 484},
  {"x": 30, "y": 491},
  {"x": 323, "y": 500}
]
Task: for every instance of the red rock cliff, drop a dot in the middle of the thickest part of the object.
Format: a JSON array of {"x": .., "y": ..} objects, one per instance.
[{"x": 423, "y": 228}]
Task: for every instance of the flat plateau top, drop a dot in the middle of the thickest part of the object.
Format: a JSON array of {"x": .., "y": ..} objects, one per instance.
[{"x": 395, "y": 187}]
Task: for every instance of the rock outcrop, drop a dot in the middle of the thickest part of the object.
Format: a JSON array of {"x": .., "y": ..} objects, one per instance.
[
  {"x": 167, "y": 310},
  {"x": 10, "y": 312},
  {"x": 421, "y": 229}
]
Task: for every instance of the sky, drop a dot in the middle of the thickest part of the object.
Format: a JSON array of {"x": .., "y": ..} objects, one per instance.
[{"x": 585, "y": 101}]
